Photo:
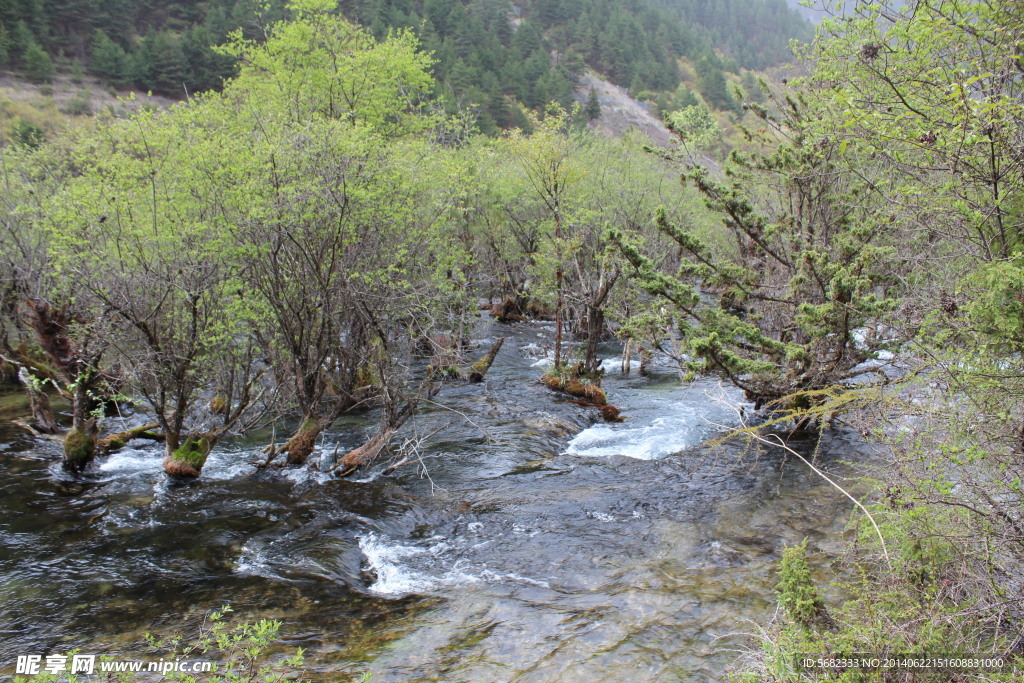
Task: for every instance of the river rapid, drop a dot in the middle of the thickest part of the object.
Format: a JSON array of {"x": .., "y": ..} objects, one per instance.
[{"x": 528, "y": 543}]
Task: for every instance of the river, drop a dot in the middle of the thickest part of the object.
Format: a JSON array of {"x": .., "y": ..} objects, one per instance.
[{"x": 528, "y": 544}]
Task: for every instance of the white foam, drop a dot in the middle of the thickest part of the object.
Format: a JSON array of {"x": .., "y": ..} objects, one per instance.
[
  {"x": 386, "y": 561},
  {"x": 661, "y": 424},
  {"x": 254, "y": 563},
  {"x": 226, "y": 465},
  {"x": 132, "y": 461},
  {"x": 392, "y": 564},
  {"x": 653, "y": 441},
  {"x": 532, "y": 350},
  {"x": 300, "y": 475},
  {"x": 611, "y": 365}
]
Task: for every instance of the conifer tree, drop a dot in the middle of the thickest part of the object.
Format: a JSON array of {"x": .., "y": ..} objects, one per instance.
[
  {"x": 38, "y": 66},
  {"x": 593, "y": 107},
  {"x": 109, "y": 60}
]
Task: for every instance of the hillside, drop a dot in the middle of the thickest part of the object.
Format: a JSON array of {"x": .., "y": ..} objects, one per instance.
[
  {"x": 495, "y": 56},
  {"x": 813, "y": 14}
]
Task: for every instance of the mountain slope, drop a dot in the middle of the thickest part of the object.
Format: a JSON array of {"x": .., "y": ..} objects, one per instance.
[{"x": 493, "y": 55}]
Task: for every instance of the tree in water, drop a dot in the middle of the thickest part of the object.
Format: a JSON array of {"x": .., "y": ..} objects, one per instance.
[
  {"x": 547, "y": 159},
  {"x": 803, "y": 272},
  {"x": 338, "y": 209}
]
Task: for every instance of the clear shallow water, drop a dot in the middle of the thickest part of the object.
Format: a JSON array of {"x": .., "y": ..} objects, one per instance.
[{"x": 542, "y": 547}]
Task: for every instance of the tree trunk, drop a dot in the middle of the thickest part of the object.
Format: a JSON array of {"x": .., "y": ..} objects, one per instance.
[
  {"x": 478, "y": 370},
  {"x": 8, "y": 373},
  {"x": 115, "y": 442},
  {"x": 303, "y": 441},
  {"x": 42, "y": 413},
  {"x": 558, "y": 290},
  {"x": 81, "y": 440},
  {"x": 365, "y": 454},
  {"x": 187, "y": 460},
  {"x": 473, "y": 374},
  {"x": 591, "y": 393},
  {"x": 80, "y": 445},
  {"x": 595, "y": 328}
]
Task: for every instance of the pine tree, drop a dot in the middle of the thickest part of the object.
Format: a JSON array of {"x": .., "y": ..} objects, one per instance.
[
  {"x": 38, "y": 66},
  {"x": 166, "y": 67},
  {"x": 752, "y": 88},
  {"x": 109, "y": 60},
  {"x": 593, "y": 107},
  {"x": 713, "y": 85},
  {"x": 5, "y": 55}
]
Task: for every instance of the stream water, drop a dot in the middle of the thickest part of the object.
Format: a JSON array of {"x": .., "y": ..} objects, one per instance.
[{"x": 530, "y": 544}]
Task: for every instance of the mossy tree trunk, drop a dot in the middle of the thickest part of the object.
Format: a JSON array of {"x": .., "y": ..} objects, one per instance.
[
  {"x": 472, "y": 374},
  {"x": 478, "y": 370},
  {"x": 583, "y": 386},
  {"x": 396, "y": 413},
  {"x": 186, "y": 461},
  {"x": 81, "y": 441},
  {"x": 115, "y": 442},
  {"x": 367, "y": 453},
  {"x": 300, "y": 446}
]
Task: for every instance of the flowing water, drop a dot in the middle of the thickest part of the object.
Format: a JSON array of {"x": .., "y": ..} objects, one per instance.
[{"x": 524, "y": 542}]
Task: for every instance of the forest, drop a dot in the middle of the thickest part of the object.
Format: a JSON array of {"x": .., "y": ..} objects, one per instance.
[
  {"x": 490, "y": 55},
  {"x": 311, "y": 274}
]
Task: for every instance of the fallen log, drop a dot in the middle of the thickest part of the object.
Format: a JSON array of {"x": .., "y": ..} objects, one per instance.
[
  {"x": 115, "y": 442},
  {"x": 365, "y": 454},
  {"x": 473, "y": 374},
  {"x": 589, "y": 395},
  {"x": 478, "y": 370}
]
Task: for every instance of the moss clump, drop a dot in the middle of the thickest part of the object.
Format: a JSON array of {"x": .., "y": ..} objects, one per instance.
[
  {"x": 367, "y": 378},
  {"x": 219, "y": 405},
  {"x": 116, "y": 442},
  {"x": 538, "y": 310},
  {"x": 507, "y": 311},
  {"x": 188, "y": 459},
  {"x": 443, "y": 372},
  {"x": 797, "y": 592},
  {"x": 574, "y": 386},
  {"x": 80, "y": 447},
  {"x": 193, "y": 452}
]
